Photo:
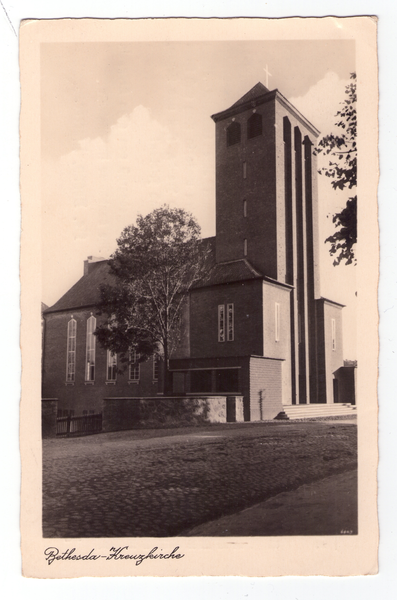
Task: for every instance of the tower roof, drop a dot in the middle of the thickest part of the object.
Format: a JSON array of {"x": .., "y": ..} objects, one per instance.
[
  {"x": 258, "y": 90},
  {"x": 256, "y": 95}
]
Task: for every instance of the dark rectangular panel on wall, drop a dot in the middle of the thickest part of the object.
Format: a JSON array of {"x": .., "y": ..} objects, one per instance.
[
  {"x": 201, "y": 381},
  {"x": 227, "y": 380}
]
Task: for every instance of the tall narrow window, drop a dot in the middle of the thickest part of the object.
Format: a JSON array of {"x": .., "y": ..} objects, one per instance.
[
  {"x": 233, "y": 133},
  {"x": 277, "y": 322},
  {"x": 71, "y": 351},
  {"x": 230, "y": 322},
  {"x": 221, "y": 323},
  {"x": 244, "y": 170},
  {"x": 156, "y": 361},
  {"x": 333, "y": 334},
  {"x": 90, "y": 350},
  {"x": 111, "y": 372},
  {"x": 254, "y": 126},
  {"x": 245, "y": 208},
  {"x": 135, "y": 367},
  {"x": 245, "y": 247}
]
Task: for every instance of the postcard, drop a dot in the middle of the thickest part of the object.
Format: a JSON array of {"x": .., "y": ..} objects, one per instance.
[{"x": 199, "y": 297}]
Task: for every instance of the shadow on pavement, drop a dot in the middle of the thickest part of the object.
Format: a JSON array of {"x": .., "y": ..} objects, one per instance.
[{"x": 326, "y": 507}]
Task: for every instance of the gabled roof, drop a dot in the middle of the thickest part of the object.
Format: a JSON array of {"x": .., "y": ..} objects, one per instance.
[
  {"x": 258, "y": 90},
  {"x": 229, "y": 272},
  {"x": 86, "y": 292},
  {"x": 256, "y": 95}
]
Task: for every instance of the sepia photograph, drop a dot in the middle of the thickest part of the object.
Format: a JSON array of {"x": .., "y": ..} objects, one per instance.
[{"x": 199, "y": 295}]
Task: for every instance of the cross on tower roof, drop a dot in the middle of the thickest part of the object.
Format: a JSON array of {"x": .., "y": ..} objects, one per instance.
[{"x": 267, "y": 76}]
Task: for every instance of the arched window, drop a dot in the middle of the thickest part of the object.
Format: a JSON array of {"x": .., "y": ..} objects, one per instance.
[
  {"x": 90, "y": 350},
  {"x": 254, "y": 126},
  {"x": 233, "y": 133},
  {"x": 71, "y": 351}
]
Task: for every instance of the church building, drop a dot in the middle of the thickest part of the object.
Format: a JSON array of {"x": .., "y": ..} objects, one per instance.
[{"x": 257, "y": 328}]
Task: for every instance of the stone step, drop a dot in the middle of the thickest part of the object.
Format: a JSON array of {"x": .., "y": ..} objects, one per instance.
[
  {"x": 307, "y": 411},
  {"x": 317, "y": 407}
]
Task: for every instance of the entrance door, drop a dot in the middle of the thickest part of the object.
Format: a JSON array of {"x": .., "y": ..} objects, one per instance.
[
  {"x": 231, "y": 409},
  {"x": 336, "y": 390}
]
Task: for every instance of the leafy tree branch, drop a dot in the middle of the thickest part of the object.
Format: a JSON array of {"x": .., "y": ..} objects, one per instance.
[{"x": 341, "y": 148}]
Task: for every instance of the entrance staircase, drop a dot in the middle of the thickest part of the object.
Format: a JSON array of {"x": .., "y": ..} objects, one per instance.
[{"x": 318, "y": 411}]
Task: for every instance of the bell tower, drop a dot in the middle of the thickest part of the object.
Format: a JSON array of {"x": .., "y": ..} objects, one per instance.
[
  {"x": 266, "y": 210},
  {"x": 246, "y": 211}
]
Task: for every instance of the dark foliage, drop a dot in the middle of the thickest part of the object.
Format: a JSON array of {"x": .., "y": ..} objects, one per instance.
[
  {"x": 155, "y": 265},
  {"x": 342, "y": 169}
]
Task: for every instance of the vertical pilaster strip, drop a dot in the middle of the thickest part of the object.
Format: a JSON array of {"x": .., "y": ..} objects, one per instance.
[
  {"x": 290, "y": 244},
  {"x": 301, "y": 269},
  {"x": 310, "y": 271}
]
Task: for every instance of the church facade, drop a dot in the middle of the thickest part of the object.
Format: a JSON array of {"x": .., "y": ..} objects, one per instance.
[{"x": 257, "y": 327}]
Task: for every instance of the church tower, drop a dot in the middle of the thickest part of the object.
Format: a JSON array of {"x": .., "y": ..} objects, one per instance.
[{"x": 266, "y": 211}]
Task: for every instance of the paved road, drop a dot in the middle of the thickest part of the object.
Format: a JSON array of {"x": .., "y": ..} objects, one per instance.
[
  {"x": 130, "y": 484},
  {"x": 325, "y": 507}
]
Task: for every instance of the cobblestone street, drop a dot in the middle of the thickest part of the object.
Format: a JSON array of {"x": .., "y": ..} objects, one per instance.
[{"x": 129, "y": 484}]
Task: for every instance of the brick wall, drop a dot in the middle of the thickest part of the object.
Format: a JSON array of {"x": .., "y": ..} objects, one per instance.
[
  {"x": 248, "y": 335},
  {"x": 265, "y": 388},
  {"x": 259, "y": 227},
  {"x": 79, "y": 395}
]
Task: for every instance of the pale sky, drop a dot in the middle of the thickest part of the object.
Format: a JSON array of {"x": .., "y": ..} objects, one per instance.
[{"x": 126, "y": 127}]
